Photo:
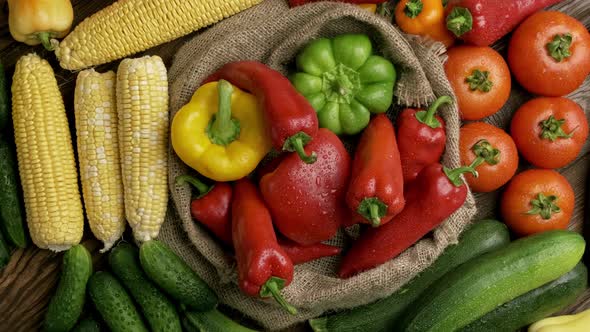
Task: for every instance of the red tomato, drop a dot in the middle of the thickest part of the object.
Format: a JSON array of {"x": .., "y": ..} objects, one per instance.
[
  {"x": 549, "y": 53},
  {"x": 497, "y": 150},
  {"x": 480, "y": 78},
  {"x": 549, "y": 132},
  {"x": 537, "y": 200}
]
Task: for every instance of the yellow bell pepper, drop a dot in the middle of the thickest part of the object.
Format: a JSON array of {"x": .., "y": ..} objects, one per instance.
[
  {"x": 371, "y": 7},
  {"x": 221, "y": 132},
  {"x": 579, "y": 322},
  {"x": 35, "y": 22}
]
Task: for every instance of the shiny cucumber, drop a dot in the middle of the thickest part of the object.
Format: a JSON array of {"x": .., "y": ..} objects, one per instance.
[{"x": 12, "y": 220}]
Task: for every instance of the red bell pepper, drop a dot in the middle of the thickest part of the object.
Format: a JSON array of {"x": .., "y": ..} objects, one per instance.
[
  {"x": 436, "y": 193},
  {"x": 212, "y": 206},
  {"x": 292, "y": 121},
  {"x": 307, "y": 201},
  {"x": 421, "y": 138},
  {"x": 301, "y": 254},
  {"x": 376, "y": 190},
  {"x": 482, "y": 22},
  {"x": 264, "y": 268},
  {"x": 295, "y": 3}
]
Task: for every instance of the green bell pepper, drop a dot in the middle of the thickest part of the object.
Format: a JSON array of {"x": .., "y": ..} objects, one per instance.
[{"x": 344, "y": 81}]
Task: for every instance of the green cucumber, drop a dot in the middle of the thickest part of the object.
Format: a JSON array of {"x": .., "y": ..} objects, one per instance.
[
  {"x": 214, "y": 321},
  {"x": 175, "y": 277},
  {"x": 534, "y": 305},
  {"x": 11, "y": 217},
  {"x": 114, "y": 304},
  {"x": 155, "y": 306},
  {"x": 67, "y": 303},
  {"x": 479, "y": 238},
  {"x": 87, "y": 324},
  {"x": 482, "y": 284},
  {"x": 4, "y": 101},
  {"x": 4, "y": 252}
]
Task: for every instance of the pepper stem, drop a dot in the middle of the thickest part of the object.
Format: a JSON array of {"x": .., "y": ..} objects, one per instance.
[
  {"x": 413, "y": 8},
  {"x": 372, "y": 209},
  {"x": 44, "y": 39},
  {"x": 559, "y": 47},
  {"x": 484, "y": 151},
  {"x": 479, "y": 80},
  {"x": 272, "y": 287},
  {"x": 544, "y": 206},
  {"x": 454, "y": 175},
  {"x": 222, "y": 129},
  {"x": 427, "y": 117},
  {"x": 202, "y": 188},
  {"x": 459, "y": 21},
  {"x": 551, "y": 129},
  {"x": 296, "y": 143}
]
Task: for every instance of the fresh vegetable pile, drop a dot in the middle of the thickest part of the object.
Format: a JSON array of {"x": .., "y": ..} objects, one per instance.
[{"x": 274, "y": 176}]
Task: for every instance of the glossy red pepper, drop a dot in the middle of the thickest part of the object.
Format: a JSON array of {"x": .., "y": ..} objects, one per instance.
[
  {"x": 307, "y": 201},
  {"x": 295, "y": 3},
  {"x": 376, "y": 190},
  {"x": 436, "y": 193},
  {"x": 421, "y": 138},
  {"x": 301, "y": 254},
  {"x": 264, "y": 268},
  {"x": 290, "y": 118},
  {"x": 211, "y": 207},
  {"x": 482, "y": 22}
]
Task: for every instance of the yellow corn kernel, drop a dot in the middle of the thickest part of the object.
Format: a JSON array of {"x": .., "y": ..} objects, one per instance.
[
  {"x": 98, "y": 154},
  {"x": 45, "y": 156},
  {"x": 130, "y": 26},
  {"x": 142, "y": 104}
]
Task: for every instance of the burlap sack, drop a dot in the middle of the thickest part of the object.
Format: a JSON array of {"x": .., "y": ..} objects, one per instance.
[{"x": 272, "y": 33}]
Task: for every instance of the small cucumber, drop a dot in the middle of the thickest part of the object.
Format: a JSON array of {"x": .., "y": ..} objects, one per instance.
[
  {"x": 68, "y": 301},
  {"x": 214, "y": 321},
  {"x": 87, "y": 324},
  {"x": 482, "y": 284},
  {"x": 175, "y": 277},
  {"x": 114, "y": 304},
  {"x": 4, "y": 252},
  {"x": 156, "y": 308},
  {"x": 479, "y": 238},
  {"x": 4, "y": 101},
  {"x": 11, "y": 217},
  {"x": 534, "y": 305}
]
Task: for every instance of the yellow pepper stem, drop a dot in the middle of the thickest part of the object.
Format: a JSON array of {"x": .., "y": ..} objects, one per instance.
[
  {"x": 222, "y": 130},
  {"x": 44, "y": 39}
]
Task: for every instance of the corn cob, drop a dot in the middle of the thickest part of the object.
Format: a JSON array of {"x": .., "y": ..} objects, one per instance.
[
  {"x": 45, "y": 156},
  {"x": 130, "y": 26},
  {"x": 142, "y": 104},
  {"x": 98, "y": 155}
]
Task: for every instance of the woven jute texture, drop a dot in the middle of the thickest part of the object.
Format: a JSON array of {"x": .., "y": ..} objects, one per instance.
[{"x": 273, "y": 34}]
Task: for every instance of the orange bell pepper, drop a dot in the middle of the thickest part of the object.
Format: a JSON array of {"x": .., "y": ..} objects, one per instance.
[{"x": 425, "y": 18}]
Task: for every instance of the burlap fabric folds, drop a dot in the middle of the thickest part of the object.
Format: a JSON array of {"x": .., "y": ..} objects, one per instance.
[{"x": 273, "y": 34}]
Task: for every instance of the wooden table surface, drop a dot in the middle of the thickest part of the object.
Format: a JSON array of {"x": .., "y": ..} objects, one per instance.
[{"x": 28, "y": 281}]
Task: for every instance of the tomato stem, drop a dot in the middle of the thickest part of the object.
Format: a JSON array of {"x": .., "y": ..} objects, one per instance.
[
  {"x": 413, "y": 8},
  {"x": 551, "y": 129},
  {"x": 460, "y": 21},
  {"x": 484, "y": 151},
  {"x": 559, "y": 47},
  {"x": 544, "y": 206},
  {"x": 479, "y": 80}
]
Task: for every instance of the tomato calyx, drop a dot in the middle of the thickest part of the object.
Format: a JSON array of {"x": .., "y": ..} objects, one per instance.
[
  {"x": 485, "y": 152},
  {"x": 479, "y": 80},
  {"x": 413, "y": 8},
  {"x": 551, "y": 129},
  {"x": 559, "y": 47},
  {"x": 544, "y": 206},
  {"x": 460, "y": 21}
]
